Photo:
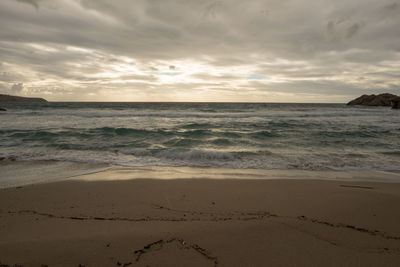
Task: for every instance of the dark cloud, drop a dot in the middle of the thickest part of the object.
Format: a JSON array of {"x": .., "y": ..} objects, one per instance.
[
  {"x": 34, "y": 3},
  {"x": 9, "y": 77},
  {"x": 392, "y": 6},
  {"x": 342, "y": 30}
]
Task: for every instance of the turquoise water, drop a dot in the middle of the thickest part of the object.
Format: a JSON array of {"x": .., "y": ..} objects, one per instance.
[{"x": 230, "y": 135}]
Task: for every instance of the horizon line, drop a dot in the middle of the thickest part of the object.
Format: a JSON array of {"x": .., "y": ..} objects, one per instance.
[{"x": 218, "y": 102}]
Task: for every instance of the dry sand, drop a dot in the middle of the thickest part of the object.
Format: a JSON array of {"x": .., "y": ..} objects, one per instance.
[{"x": 98, "y": 220}]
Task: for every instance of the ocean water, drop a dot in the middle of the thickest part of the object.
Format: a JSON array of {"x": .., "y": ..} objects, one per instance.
[{"x": 227, "y": 135}]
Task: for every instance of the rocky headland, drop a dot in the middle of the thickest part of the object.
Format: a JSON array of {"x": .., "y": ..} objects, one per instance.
[
  {"x": 11, "y": 98},
  {"x": 377, "y": 100}
]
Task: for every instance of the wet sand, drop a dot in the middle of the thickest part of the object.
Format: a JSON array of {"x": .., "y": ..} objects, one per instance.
[{"x": 110, "y": 219}]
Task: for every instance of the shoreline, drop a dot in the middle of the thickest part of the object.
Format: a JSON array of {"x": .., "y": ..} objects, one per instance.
[
  {"x": 23, "y": 173},
  {"x": 199, "y": 221}
]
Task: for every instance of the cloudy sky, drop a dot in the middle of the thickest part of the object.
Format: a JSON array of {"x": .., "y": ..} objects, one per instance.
[{"x": 199, "y": 50}]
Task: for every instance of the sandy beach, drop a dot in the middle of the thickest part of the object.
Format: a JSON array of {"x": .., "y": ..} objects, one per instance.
[{"x": 115, "y": 218}]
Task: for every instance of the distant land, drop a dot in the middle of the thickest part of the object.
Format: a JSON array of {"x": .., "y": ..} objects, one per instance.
[
  {"x": 11, "y": 98},
  {"x": 377, "y": 100}
]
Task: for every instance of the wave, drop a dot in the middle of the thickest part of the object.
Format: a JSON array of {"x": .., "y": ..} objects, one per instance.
[
  {"x": 197, "y": 126},
  {"x": 176, "y": 114},
  {"x": 106, "y": 131},
  {"x": 391, "y": 153},
  {"x": 196, "y": 133},
  {"x": 233, "y": 135},
  {"x": 356, "y": 133},
  {"x": 263, "y": 134},
  {"x": 261, "y": 159},
  {"x": 222, "y": 142}
]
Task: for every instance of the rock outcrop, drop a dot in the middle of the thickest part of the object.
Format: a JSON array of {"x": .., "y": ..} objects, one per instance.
[
  {"x": 11, "y": 98},
  {"x": 375, "y": 100}
]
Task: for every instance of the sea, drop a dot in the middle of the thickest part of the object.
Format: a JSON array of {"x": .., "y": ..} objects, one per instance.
[{"x": 208, "y": 135}]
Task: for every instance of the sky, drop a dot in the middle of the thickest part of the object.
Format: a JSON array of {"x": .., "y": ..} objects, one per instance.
[{"x": 199, "y": 50}]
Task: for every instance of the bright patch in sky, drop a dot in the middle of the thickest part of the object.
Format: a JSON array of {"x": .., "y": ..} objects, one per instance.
[{"x": 256, "y": 77}]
